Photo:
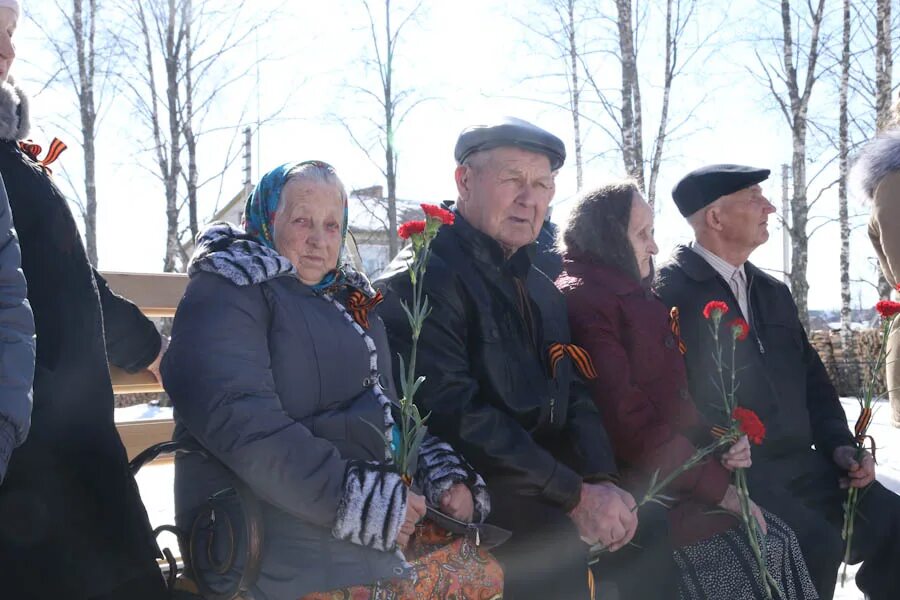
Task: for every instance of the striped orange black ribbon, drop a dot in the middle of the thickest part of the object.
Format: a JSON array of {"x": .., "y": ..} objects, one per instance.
[
  {"x": 860, "y": 429},
  {"x": 578, "y": 355},
  {"x": 34, "y": 151},
  {"x": 717, "y": 431},
  {"x": 359, "y": 306},
  {"x": 675, "y": 326}
]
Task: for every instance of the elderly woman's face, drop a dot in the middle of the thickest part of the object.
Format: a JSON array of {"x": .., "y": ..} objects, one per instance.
[
  {"x": 308, "y": 228},
  {"x": 640, "y": 234},
  {"x": 7, "y": 48}
]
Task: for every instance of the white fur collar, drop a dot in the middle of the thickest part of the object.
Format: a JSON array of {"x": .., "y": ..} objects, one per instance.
[
  {"x": 14, "y": 112},
  {"x": 877, "y": 158}
]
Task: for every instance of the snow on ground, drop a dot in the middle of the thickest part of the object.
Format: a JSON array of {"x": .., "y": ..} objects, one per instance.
[{"x": 155, "y": 481}]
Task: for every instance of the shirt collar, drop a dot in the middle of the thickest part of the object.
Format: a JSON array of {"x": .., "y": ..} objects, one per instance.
[{"x": 721, "y": 266}]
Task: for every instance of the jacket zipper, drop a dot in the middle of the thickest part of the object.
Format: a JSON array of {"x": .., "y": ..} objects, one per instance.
[{"x": 762, "y": 349}]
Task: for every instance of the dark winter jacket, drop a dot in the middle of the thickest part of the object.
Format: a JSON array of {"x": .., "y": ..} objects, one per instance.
[
  {"x": 780, "y": 377},
  {"x": 281, "y": 386},
  {"x": 71, "y": 520},
  {"x": 641, "y": 391},
  {"x": 16, "y": 341},
  {"x": 489, "y": 385}
]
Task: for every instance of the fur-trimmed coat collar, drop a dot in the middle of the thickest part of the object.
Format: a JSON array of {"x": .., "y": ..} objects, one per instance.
[
  {"x": 878, "y": 158},
  {"x": 14, "y": 112}
]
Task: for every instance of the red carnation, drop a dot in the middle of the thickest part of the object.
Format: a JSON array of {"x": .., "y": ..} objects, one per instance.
[
  {"x": 436, "y": 212},
  {"x": 714, "y": 306},
  {"x": 887, "y": 308},
  {"x": 748, "y": 422},
  {"x": 740, "y": 329},
  {"x": 410, "y": 228}
]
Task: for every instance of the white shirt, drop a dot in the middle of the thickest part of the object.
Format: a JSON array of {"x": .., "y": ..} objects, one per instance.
[{"x": 734, "y": 275}]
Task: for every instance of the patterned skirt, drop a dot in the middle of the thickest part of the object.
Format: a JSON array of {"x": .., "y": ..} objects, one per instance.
[
  {"x": 723, "y": 566},
  {"x": 446, "y": 566}
]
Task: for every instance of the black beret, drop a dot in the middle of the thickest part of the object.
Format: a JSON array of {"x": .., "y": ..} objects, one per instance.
[
  {"x": 510, "y": 131},
  {"x": 702, "y": 187}
]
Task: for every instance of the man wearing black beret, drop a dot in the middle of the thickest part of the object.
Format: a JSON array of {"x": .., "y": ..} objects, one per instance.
[
  {"x": 492, "y": 386},
  {"x": 806, "y": 461}
]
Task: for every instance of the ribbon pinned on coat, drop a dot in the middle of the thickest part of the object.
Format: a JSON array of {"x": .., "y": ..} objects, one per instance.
[
  {"x": 578, "y": 355},
  {"x": 675, "y": 326},
  {"x": 359, "y": 305},
  {"x": 33, "y": 151}
]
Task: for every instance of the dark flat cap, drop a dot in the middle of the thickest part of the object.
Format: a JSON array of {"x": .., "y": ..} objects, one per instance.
[
  {"x": 510, "y": 131},
  {"x": 702, "y": 187}
]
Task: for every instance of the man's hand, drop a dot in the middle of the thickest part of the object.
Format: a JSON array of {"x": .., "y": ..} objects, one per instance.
[
  {"x": 458, "y": 503},
  {"x": 415, "y": 510},
  {"x": 860, "y": 473},
  {"x": 738, "y": 456},
  {"x": 732, "y": 503},
  {"x": 605, "y": 514}
]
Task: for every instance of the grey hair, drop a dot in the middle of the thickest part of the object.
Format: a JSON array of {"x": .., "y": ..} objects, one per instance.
[
  {"x": 313, "y": 171},
  {"x": 598, "y": 226}
]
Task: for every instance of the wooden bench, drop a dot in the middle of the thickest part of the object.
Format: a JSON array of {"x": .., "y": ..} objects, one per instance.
[{"x": 157, "y": 295}]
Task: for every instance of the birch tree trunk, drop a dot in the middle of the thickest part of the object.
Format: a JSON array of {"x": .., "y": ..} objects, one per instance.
[
  {"x": 631, "y": 153},
  {"x": 575, "y": 94},
  {"x": 669, "y": 75},
  {"x": 796, "y": 110},
  {"x": 390, "y": 156},
  {"x": 84, "y": 24},
  {"x": 190, "y": 137},
  {"x": 850, "y": 370}
]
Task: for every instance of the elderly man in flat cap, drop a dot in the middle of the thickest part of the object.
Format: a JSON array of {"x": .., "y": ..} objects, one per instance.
[
  {"x": 781, "y": 378},
  {"x": 494, "y": 386}
]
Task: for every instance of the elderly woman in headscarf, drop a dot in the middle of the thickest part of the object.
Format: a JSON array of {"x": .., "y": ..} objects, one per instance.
[
  {"x": 279, "y": 369},
  {"x": 641, "y": 389}
]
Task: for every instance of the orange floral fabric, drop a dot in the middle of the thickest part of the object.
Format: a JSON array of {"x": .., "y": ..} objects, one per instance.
[{"x": 446, "y": 566}]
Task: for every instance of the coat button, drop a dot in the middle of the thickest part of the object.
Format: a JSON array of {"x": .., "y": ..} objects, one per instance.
[{"x": 670, "y": 341}]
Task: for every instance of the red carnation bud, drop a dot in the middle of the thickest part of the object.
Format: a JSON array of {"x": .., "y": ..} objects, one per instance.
[
  {"x": 740, "y": 328},
  {"x": 410, "y": 228},
  {"x": 436, "y": 212},
  {"x": 750, "y": 424},
  {"x": 887, "y": 308},
  {"x": 714, "y": 306}
]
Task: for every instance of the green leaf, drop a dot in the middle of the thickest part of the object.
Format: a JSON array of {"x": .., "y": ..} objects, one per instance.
[
  {"x": 381, "y": 434},
  {"x": 412, "y": 456}
]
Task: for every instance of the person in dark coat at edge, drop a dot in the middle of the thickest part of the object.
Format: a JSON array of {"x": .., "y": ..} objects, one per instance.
[
  {"x": 781, "y": 378},
  {"x": 16, "y": 341},
  {"x": 641, "y": 391},
  {"x": 71, "y": 520},
  {"x": 502, "y": 378}
]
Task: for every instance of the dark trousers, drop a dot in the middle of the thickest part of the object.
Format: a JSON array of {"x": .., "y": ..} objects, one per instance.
[
  {"x": 811, "y": 502},
  {"x": 545, "y": 557},
  {"x": 644, "y": 569}
]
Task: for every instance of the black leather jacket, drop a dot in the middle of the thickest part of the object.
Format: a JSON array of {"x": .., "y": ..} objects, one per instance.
[{"x": 484, "y": 353}]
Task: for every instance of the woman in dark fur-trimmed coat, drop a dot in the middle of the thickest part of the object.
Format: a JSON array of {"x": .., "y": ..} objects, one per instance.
[
  {"x": 641, "y": 390},
  {"x": 72, "y": 524},
  {"x": 279, "y": 368}
]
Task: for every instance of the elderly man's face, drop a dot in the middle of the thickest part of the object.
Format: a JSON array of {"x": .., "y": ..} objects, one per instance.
[
  {"x": 504, "y": 193},
  {"x": 744, "y": 218}
]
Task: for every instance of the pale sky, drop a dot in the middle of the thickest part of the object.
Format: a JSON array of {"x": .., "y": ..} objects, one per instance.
[{"x": 471, "y": 59}]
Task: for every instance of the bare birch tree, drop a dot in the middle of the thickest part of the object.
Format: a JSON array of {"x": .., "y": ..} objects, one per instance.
[
  {"x": 385, "y": 33},
  {"x": 89, "y": 47},
  {"x": 843, "y": 212},
  {"x": 884, "y": 68},
  {"x": 182, "y": 47},
  {"x": 792, "y": 92},
  {"x": 628, "y": 116}
]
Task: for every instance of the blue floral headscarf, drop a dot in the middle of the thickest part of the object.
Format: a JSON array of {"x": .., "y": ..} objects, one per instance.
[{"x": 259, "y": 212}]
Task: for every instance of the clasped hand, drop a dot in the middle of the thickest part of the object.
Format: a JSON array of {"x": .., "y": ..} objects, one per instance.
[{"x": 606, "y": 515}]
